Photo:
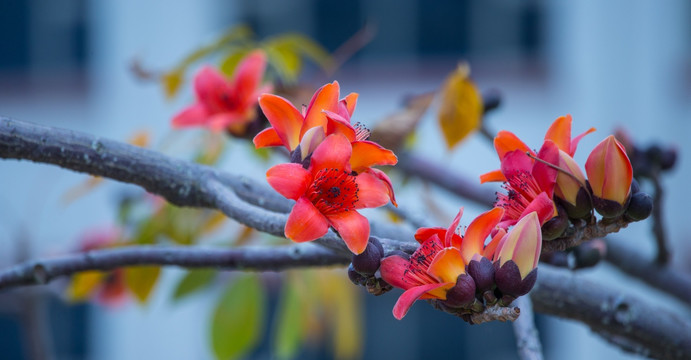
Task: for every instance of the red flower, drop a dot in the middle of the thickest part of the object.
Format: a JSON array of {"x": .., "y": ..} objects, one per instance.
[
  {"x": 301, "y": 133},
  {"x": 437, "y": 270},
  {"x": 223, "y": 104},
  {"x": 328, "y": 193}
]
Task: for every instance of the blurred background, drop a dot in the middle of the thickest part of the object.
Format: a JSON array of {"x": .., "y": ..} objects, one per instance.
[{"x": 68, "y": 64}]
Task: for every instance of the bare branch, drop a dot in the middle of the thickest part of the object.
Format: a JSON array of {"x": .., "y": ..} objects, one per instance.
[
  {"x": 527, "y": 337},
  {"x": 499, "y": 313},
  {"x": 663, "y": 254},
  {"x": 273, "y": 258},
  {"x": 657, "y": 332},
  {"x": 662, "y": 277},
  {"x": 581, "y": 232}
]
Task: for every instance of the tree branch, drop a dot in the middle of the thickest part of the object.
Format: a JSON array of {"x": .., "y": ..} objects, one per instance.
[
  {"x": 273, "y": 258},
  {"x": 657, "y": 332},
  {"x": 662, "y": 277},
  {"x": 527, "y": 337}
]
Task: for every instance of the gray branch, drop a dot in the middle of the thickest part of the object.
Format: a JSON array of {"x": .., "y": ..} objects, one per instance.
[
  {"x": 275, "y": 258},
  {"x": 527, "y": 337}
]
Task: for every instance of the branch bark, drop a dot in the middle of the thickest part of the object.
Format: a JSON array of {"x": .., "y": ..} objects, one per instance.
[{"x": 527, "y": 337}]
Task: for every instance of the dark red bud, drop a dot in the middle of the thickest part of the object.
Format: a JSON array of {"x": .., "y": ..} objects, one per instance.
[
  {"x": 668, "y": 159},
  {"x": 640, "y": 207},
  {"x": 355, "y": 277},
  {"x": 635, "y": 187},
  {"x": 509, "y": 282},
  {"x": 609, "y": 208},
  {"x": 463, "y": 293},
  {"x": 367, "y": 263},
  {"x": 555, "y": 226},
  {"x": 589, "y": 253},
  {"x": 482, "y": 273},
  {"x": 582, "y": 208}
]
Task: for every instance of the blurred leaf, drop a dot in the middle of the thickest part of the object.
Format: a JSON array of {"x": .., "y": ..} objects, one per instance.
[
  {"x": 172, "y": 81},
  {"x": 194, "y": 281},
  {"x": 290, "y": 327},
  {"x": 394, "y": 131},
  {"x": 83, "y": 284},
  {"x": 141, "y": 280},
  {"x": 285, "y": 60},
  {"x": 232, "y": 59},
  {"x": 213, "y": 220},
  {"x": 460, "y": 110},
  {"x": 263, "y": 154},
  {"x": 238, "y": 318},
  {"x": 308, "y": 48},
  {"x": 148, "y": 230},
  {"x": 347, "y": 320}
]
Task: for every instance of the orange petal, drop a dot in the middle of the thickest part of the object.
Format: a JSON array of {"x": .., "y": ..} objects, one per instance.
[
  {"x": 248, "y": 75},
  {"x": 422, "y": 234},
  {"x": 353, "y": 229},
  {"x": 609, "y": 170},
  {"x": 410, "y": 296},
  {"x": 284, "y": 118},
  {"x": 577, "y": 139},
  {"x": 386, "y": 181},
  {"x": 367, "y": 154},
  {"x": 337, "y": 124},
  {"x": 372, "y": 191},
  {"x": 289, "y": 180},
  {"x": 305, "y": 222},
  {"x": 491, "y": 176},
  {"x": 349, "y": 103},
  {"x": 194, "y": 115},
  {"x": 333, "y": 152},
  {"x": 560, "y": 133},
  {"x": 447, "y": 265},
  {"x": 267, "y": 137},
  {"x": 490, "y": 249},
  {"x": 326, "y": 98},
  {"x": 451, "y": 231},
  {"x": 477, "y": 232},
  {"x": 506, "y": 141}
]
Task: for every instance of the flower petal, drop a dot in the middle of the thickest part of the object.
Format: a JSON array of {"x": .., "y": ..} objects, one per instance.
[
  {"x": 393, "y": 269},
  {"x": 212, "y": 89},
  {"x": 478, "y": 230},
  {"x": 447, "y": 265},
  {"x": 545, "y": 175},
  {"x": 326, "y": 98},
  {"x": 410, "y": 296},
  {"x": 334, "y": 152},
  {"x": 305, "y": 222},
  {"x": 451, "y": 231},
  {"x": 313, "y": 137},
  {"x": 194, "y": 115},
  {"x": 284, "y": 118},
  {"x": 372, "y": 191},
  {"x": 523, "y": 244},
  {"x": 335, "y": 123},
  {"x": 577, "y": 139},
  {"x": 609, "y": 170},
  {"x": 267, "y": 137},
  {"x": 516, "y": 162},
  {"x": 543, "y": 206},
  {"x": 248, "y": 75},
  {"x": 290, "y": 180},
  {"x": 490, "y": 249},
  {"x": 506, "y": 142},
  {"x": 367, "y": 154},
  {"x": 348, "y": 104},
  {"x": 386, "y": 181},
  {"x": 560, "y": 133},
  {"x": 492, "y": 176},
  {"x": 222, "y": 121},
  {"x": 353, "y": 229}
]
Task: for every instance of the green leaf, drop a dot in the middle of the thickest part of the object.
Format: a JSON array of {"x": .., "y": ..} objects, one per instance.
[
  {"x": 238, "y": 318},
  {"x": 290, "y": 327},
  {"x": 310, "y": 49},
  {"x": 141, "y": 281},
  {"x": 193, "y": 281},
  {"x": 232, "y": 59},
  {"x": 285, "y": 60}
]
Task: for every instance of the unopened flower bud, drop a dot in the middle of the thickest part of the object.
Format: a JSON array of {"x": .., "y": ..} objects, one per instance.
[
  {"x": 555, "y": 226},
  {"x": 355, "y": 277},
  {"x": 463, "y": 293},
  {"x": 635, "y": 187},
  {"x": 668, "y": 159},
  {"x": 482, "y": 273},
  {"x": 367, "y": 262},
  {"x": 610, "y": 175},
  {"x": 640, "y": 207},
  {"x": 509, "y": 281},
  {"x": 589, "y": 254}
]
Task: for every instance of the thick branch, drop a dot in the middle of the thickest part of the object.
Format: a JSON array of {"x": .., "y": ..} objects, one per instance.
[
  {"x": 662, "y": 277},
  {"x": 527, "y": 337},
  {"x": 247, "y": 259},
  {"x": 657, "y": 332},
  {"x": 578, "y": 233}
]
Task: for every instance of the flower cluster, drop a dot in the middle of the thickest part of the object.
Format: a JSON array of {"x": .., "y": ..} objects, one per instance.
[
  {"x": 463, "y": 273},
  {"x": 330, "y": 175},
  {"x": 552, "y": 183}
]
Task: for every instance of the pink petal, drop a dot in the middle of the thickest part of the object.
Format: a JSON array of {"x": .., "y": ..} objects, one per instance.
[
  {"x": 334, "y": 152},
  {"x": 545, "y": 175},
  {"x": 451, "y": 231},
  {"x": 248, "y": 75},
  {"x": 372, "y": 192},
  {"x": 194, "y": 115},
  {"x": 353, "y": 229},
  {"x": 386, "y": 181},
  {"x": 409, "y": 297},
  {"x": 212, "y": 89},
  {"x": 289, "y": 180},
  {"x": 423, "y": 234},
  {"x": 577, "y": 139},
  {"x": 347, "y": 105},
  {"x": 305, "y": 222},
  {"x": 515, "y": 162},
  {"x": 222, "y": 121},
  {"x": 393, "y": 269},
  {"x": 337, "y": 124},
  {"x": 543, "y": 206}
]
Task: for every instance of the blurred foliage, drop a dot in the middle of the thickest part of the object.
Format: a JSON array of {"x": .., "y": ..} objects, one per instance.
[
  {"x": 193, "y": 282},
  {"x": 286, "y": 55},
  {"x": 460, "y": 111},
  {"x": 141, "y": 280}
]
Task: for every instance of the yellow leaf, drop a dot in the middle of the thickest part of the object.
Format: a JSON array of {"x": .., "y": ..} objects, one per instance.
[
  {"x": 344, "y": 313},
  {"x": 84, "y": 284},
  {"x": 141, "y": 280},
  {"x": 232, "y": 59},
  {"x": 460, "y": 110},
  {"x": 171, "y": 82}
]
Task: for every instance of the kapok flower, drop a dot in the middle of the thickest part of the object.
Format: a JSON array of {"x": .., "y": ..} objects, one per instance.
[
  {"x": 327, "y": 193},
  {"x": 516, "y": 258},
  {"x": 610, "y": 176},
  {"x": 223, "y": 104},
  {"x": 437, "y": 270},
  {"x": 301, "y": 133}
]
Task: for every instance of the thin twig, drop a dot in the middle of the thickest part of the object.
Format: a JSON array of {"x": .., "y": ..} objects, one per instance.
[
  {"x": 663, "y": 254},
  {"x": 527, "y": 337}
]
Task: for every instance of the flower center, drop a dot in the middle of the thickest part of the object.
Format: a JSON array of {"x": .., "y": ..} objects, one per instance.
[
  {"x": 361, "y": 132},
  {"x": 521, "y": 188},
  {"x": 333, "y": 191},
  {"x": 416, "y": 271}
]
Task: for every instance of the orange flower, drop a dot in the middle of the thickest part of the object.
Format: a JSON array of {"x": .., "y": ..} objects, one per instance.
[
  {"x": 223, "y": 104},
  {"x": 610, "y": 176},
  {"x": 327, "y": 193}
]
